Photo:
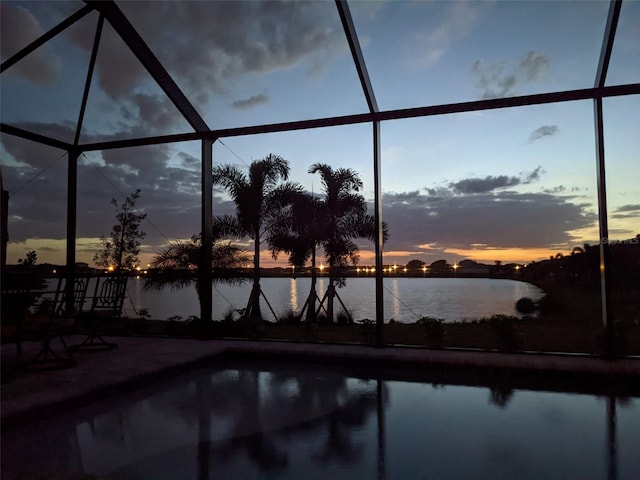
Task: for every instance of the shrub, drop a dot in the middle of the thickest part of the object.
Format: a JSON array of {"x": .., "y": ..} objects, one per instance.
[
  {"x": 525, "y": 305},
  {"x": 435, "y": 331},
  {"x": 311, "y": 331},
  {"x": 229, "y": 315},
  {"x": 343, "y": 318},
  {"x": 289, "y": 318},
  {"x": 549, "y": 304},
  {"x": 507, "y": 336},
  {"x": 367, "y": 329}
]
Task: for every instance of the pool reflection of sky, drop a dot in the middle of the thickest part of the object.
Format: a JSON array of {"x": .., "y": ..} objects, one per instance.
[{"x": 306, "y": 422}]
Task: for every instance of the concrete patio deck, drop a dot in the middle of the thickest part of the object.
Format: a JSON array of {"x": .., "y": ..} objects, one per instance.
[{"x": 141, "y": 360}]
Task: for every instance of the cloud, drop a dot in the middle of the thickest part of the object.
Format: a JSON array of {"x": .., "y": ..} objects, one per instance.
[
  {"x": 490, "y": 183},
  {"x": 205, "y": 45},
  {"x": 502, "y": 78},
  {"x": 251, "y": 102},
  {"x": 483, "y": 185},
  {"x": 626, "y": 211},
  {"x": 628, "y": 208},
  {"x": 544, "y": 131},
  {"x": 459, "y": 21},
  {"x": 556, "y": 189},
  {"x": 37, "y": 186},
  {"x": 501, "y": 220},
  {"x": 19, "y": 28},
  {"x": 157, "y": 112},
  {"x": 534, "y": 176}
]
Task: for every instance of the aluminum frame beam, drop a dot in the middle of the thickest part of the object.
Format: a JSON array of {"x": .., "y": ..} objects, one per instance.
[
  {"x": 607, "y": 42},
  {"x": 46, "y": 37},
  {"x": 206, "y": 275},
  {"x": 356, "y": 53},
  {"x": 140, "y": 49},
  {"x": 87, "y": 84},
  {"x": 426, "y": 111},
  {"x": 603, "y": 223},
  {"x": 34, "y": 137}
]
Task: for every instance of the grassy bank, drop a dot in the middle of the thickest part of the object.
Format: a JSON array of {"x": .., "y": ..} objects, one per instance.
[{"x": 499, "y": 333}]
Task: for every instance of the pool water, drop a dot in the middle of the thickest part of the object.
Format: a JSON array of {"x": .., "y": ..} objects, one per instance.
[{"x": 280, "y": 421}]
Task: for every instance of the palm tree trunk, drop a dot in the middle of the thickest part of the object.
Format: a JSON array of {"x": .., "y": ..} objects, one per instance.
[
  {"x": 311, "y": 302},
  {"x": 204, "y": 324},
  {"x": 330, "y": 296},
  {"x": 254, "y": 299}
]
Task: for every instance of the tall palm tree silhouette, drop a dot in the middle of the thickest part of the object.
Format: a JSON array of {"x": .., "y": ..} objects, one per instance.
[
  {"x": 299, "y": 230},
  {"x": 344, "y": 218},
  {"x": 307, "y": 222},
  {"x": 256, "y": 209}
]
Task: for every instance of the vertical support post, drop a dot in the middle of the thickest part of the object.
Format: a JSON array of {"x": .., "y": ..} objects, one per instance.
[
  {"x": 379, "y": 235},
  {"x": 607, "y": 319},
  {"x": 206, "y": 275},
  {"x": 4, "y": 223},
  {"x": 72, "y": 208}
]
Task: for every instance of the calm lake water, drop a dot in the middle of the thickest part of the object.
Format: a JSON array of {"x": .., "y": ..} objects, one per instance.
[
  {"x": 405, "y": 299},
  {"x": 290, "y": 422}
]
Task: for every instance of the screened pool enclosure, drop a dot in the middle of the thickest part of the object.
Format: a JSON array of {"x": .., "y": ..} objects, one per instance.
[{"x": 492, "y": 139}]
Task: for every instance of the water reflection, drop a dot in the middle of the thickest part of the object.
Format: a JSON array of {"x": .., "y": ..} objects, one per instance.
[
  {"x": 293, "y": 299},
  {"x": 396, "y": 299},
  {"x": 452, "y": 299},
  {"x": 303, "y": 423},
  {"x": 612, "y": 439}
]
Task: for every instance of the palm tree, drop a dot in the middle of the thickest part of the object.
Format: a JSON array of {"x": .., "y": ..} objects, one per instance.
[
  {"x": 177, "y": 265},
  {"x": 256, "y": 209},
  {"x": 299, "y": 230},
  {"x": 345, "y": 212},
  {"x": 307, "y": 222}
]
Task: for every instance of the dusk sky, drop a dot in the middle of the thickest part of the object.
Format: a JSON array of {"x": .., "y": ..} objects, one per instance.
[{"x": 514, "y": 184}]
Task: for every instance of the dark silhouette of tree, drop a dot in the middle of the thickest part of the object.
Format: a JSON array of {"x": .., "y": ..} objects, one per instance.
[
  {"x": 256, "y": 209},
  {"x": 440, "y": 267},
  {"x": 307, "y": 222},
  {"x": 177, "y": 266},
  {"x": 122, "y": 249},
  {"x": 29, "y": 260},
  {"x": 345, "y": 219},
  {"x": 415, "y": 264},
  {"x": 298, "y": 231}
]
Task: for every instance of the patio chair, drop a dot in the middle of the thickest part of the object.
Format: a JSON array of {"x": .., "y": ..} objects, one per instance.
[
  {"x": 55, "y": 319},
  {"x": 106, "y": 306},
  {"x": 19, "y": 291}
]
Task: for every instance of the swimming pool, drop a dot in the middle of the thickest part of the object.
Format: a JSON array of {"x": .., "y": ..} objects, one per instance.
[{"x": 242, "y": 420}]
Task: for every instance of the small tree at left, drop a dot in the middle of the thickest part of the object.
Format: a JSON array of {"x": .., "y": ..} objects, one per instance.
[{"x": 122, "y": 248}]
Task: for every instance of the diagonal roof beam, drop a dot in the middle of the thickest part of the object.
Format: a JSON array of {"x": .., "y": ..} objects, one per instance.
[
  {"x": 607, "y": 42},
  {"x": 87, "y": 84},
  {"x": 134, "y": 41},
  {"x": 45, "y": 38},
  {"x": 356, "y": 52}
]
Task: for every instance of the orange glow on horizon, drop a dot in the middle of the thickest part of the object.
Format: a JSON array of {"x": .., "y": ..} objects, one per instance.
[{"x": 505, "y": 255}]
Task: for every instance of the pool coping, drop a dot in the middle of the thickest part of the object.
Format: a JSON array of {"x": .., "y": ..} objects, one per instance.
[{"x": 140, "y": 361}]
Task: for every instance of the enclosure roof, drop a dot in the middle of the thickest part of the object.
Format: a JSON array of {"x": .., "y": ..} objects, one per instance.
[{"x": 111, "y": 74}]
